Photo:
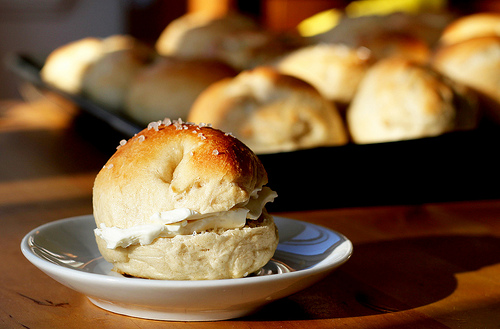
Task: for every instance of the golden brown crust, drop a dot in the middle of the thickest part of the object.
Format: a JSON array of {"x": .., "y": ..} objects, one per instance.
[{"x": 214, "y": 152}]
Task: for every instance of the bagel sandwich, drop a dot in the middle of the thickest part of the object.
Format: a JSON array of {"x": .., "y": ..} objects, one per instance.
[{"x": 180, "y": 201}]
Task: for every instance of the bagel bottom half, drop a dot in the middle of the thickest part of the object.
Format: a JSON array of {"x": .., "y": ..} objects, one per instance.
[{"x": 215, "y": 254}]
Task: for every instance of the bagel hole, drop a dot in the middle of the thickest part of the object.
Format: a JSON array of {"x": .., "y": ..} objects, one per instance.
[{"x": 170, "y": 164}]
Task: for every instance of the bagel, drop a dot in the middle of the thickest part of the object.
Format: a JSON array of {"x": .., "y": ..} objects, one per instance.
[
  {"x": 400, "y": 100},
  {"x": 477, "y": 25},
  {"x": 476, "y": 64},
  {"x": 106, "y": 81},
  {"x": 169, "y": 86},
  {"x": 180, "y": 201},
  {"x": 198, "y": 35},
  {"x": 233, "y": 38},
  {"x": 66, "y": 65},
  {"x": 335, "y": 70},
  {"x": 270, "y": 112}
]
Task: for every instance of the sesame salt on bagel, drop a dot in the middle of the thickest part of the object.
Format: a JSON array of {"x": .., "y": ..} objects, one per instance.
[{"x": 184, "y": 201}]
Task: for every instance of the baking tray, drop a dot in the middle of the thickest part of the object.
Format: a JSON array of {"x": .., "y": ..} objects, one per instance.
[
  {"x": 452, "y": 167},
  {"x": 28, "y": 68}
]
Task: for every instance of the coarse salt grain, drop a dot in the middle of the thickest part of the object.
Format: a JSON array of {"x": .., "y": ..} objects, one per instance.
[
  {"x": 178, "y": 124},
  {"x": 122, "y": 142},
  {"x": 215, "y": 152},
  {"x": 154, "y": 125},
  {"x": 141, "y": 138},
  {"x": 167, "y": 122}
]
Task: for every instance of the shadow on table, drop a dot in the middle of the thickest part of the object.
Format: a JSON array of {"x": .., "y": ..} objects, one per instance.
[{"x": 389, "y": 276}]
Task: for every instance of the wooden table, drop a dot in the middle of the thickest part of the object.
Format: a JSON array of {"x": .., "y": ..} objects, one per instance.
[{"x": 414, "y": 266}]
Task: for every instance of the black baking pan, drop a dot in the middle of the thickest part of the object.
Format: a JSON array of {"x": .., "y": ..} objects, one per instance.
[{"x": 455, "y": 166}]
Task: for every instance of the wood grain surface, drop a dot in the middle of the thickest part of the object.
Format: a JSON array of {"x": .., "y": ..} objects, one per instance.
[{"x": 413, "y": 266}]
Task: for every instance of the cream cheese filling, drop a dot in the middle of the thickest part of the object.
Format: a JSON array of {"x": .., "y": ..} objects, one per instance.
[{"x": 184, "y": 221}]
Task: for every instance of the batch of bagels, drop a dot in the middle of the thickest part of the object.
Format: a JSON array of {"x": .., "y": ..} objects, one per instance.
[
  {"x": 369, "y": 80},
  {"x": 184, "y": 201}
]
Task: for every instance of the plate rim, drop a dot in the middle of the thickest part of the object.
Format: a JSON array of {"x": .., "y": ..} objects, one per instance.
[{"x": 184, "y": 284}]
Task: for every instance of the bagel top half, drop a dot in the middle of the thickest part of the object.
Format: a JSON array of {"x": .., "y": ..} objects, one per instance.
[{"x": 175, "y": 166}]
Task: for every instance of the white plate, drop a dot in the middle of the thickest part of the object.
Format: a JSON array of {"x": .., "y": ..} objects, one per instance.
[{"x": 66, "y": 250}]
